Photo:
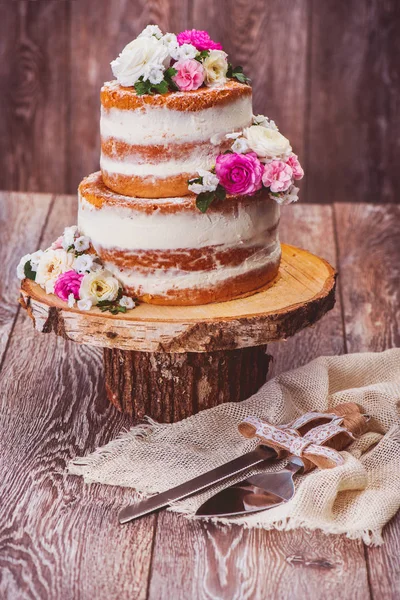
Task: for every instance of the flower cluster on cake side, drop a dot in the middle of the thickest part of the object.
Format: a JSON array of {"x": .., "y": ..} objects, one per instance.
[
  {"x": 157, "y": 63},
  {"x": 260, "y": 156},
  {"x": 70, "y": 270}
]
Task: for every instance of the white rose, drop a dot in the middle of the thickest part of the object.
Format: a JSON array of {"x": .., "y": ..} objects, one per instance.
[
  {"x": 138, "y": 58},
  {"x": 267, "y": 143},
  {"x": 83, "y": 263},
  {"x": 215, "y": 67},
  {"x": 151, "y": 30},
  {"x": 52, "y": 263},
  {"x": 127, "y": 302},
  {"x": 99, "y": 286},
  {"x": 240, "y": 146}
]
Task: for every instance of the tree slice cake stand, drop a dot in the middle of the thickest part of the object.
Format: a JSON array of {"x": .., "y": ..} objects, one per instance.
[{"x": 169, "y": 362}]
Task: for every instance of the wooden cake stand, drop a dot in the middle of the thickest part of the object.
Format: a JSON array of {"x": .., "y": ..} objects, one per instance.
[{"x": 169, "y": 362}]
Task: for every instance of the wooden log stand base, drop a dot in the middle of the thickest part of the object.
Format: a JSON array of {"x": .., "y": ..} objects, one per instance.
[{"x": 170, "y": 362}]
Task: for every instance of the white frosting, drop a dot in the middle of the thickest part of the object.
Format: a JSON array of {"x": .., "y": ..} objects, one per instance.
[
  {"x": 122, "y": 227},
  {"x": 160, "y": 281},
  {"x": 160, "y": 125},
  {"x": 190, "y": 164}
]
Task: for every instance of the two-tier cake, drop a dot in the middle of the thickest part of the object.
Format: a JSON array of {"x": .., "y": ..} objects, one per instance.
[{"x": 185, "y": 209}]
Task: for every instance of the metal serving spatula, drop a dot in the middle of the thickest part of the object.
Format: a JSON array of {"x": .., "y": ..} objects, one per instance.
[
  {"x": 262, "y": 454},
  {"x": 256, "y": 493}
]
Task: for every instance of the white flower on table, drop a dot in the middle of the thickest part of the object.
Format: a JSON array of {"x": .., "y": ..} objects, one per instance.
[
  {"x": 85, "y": 304},
  {"x": 127, "y": 302},
  {"x": 99, "y": 286},
  {"x": 51, "y": 264},
  {"x": 69, "y": 236},
  {"x": 139, "y": 58},
  {"x": 215, "y": 66},
  {"x": 82, "y": 243},
  {"x": 151, "y": 30},
  {"x": 267, "y": 143},
  {"x": 240, "y": 146},
  {"x": 83, "y": 263},
  {"x": 209, "y": 184}
]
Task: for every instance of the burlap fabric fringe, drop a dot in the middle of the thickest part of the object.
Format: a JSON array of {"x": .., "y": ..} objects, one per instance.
[{"x": 357, "y": 498}]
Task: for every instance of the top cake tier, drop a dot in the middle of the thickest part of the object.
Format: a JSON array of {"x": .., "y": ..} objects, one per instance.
[{"x": 151, "y": 145}]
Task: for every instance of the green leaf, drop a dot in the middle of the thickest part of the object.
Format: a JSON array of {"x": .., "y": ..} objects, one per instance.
[
  {"x": 162, "y": 87},
  {"x": 170, "y": 72},
  {"x": 276, "y": 194},
  {"x": 71, "y": 247},
  {"x": 202, "y": 55},
  {"x": 220, "y": 192},
  {"x": 196, "y": 180},
  {"x": 204, "y": 200},
  {"x": 28, "y": 272},
  {"x": 237, "y": 73},
  {"x": 142, "y": 87}
]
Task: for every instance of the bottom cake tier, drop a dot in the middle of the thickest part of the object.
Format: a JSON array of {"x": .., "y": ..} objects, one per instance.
[{"x": 165, "y": 251}]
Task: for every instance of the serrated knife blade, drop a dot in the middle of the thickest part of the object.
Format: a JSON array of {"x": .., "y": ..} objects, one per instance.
[{"x": 233, "y": 467}]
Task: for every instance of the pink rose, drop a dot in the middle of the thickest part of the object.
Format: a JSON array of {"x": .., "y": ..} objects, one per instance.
[
  {"x": 239, "y": 173},
  {"x": 293, "y": 161},
  {"x": 68, "y": 283},
  {"x": 200, "y": 39},
  {"x": 190, "y": 75},
  {"x": 277, "y": 176}
]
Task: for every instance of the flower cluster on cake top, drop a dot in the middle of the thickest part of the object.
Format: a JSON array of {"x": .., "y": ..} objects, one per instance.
[
  {"x": 260, "y": 156},
  {"x": 159, "y": 63},
  {"x": 72, "y": 272}
]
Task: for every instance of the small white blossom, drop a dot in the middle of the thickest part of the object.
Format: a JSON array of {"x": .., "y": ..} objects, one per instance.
[
  {"x": 127, "y": 302},
  {"x": 209, "y": 184},
  {"x": 234, "y": 135},
  {"x": 151, "y": 30},
  {"x": 85, "y": 304},
  {"x": 82, "y": 243},
  {"x": 169, "y": 38},
  {"x": 240, "y": 146},
  {"x": 186, "y": 51},
  {"x": 292, "y": 195},
  {"x": 71, "y": 300},
  {"x": 155, "y": 75},
  {"x": 21, "y": 266},
  {"x": 83, "y": 263},
  {"x": 264, "y": 122},
  {"x": 69, "y": 236}
]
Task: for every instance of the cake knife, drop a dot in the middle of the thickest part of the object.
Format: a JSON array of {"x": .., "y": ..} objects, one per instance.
[{"x": 260, "y": 455}]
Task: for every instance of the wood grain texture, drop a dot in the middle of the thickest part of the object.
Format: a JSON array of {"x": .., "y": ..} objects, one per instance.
[
  {"x": 269, "y": 39},
  {"x": 301, "y": 294},
  {"x": 369, "y": 246},
  {"x": 34, "y": 78},
  {"x": 22, "y": 219},
  {"x": 354, "y": 116},
  {"x": 169, "y": 387},
  {"x": 116, "y": 23},
  {"x": 235, "y": 563},
  {"x": 58, "y": 537}
]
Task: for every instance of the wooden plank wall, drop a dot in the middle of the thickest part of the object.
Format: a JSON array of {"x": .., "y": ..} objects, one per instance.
[{"x": 327, "y": 71}]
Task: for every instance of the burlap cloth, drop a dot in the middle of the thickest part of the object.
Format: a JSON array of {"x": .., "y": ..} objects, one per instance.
[{"x": 357, "y": 498}]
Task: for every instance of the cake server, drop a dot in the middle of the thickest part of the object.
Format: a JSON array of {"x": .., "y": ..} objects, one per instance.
[{"x": 262, "y": 454}]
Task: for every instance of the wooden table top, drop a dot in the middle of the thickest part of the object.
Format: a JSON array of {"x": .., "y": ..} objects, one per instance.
[{"x": 59, "y": 537}]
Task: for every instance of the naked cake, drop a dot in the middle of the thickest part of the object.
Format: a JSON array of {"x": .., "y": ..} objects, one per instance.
[{"x": 185, "y": 208}]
